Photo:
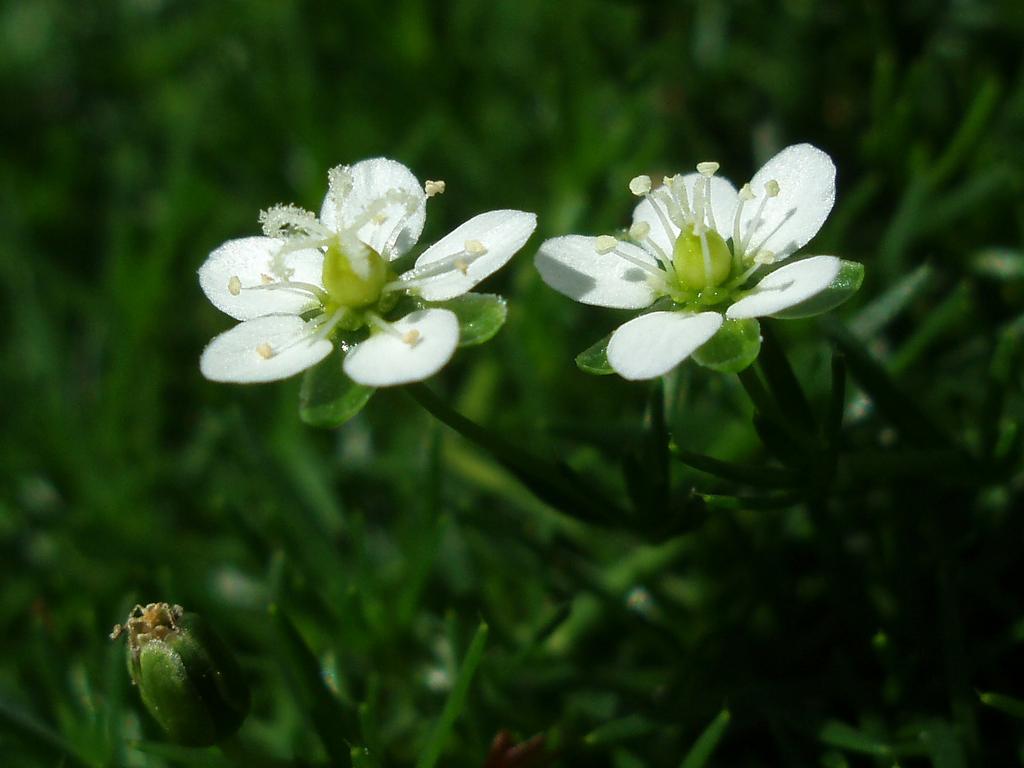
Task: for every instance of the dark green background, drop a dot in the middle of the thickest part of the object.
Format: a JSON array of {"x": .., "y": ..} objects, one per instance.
[{"x": 139, "y": 135}]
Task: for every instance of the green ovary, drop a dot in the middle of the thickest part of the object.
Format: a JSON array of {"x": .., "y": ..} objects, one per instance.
[
  {"x": 353, "y": 279},
  {"x": 688, "y": 259}
]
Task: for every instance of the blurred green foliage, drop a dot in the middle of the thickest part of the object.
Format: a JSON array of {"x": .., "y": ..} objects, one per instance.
[{"x": 845, "y": 628}]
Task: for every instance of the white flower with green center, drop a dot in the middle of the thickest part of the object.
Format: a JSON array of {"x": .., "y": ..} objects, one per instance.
[
  {"x": 310, "y": 278},
  {"x": 696, "y": 255}
]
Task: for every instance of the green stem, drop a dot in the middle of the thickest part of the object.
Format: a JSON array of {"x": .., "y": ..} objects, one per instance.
[{"x": 554, "y": 484}]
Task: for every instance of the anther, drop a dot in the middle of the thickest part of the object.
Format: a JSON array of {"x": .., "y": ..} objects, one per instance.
[
  {"x": 266, "y": 279},
  {"x": 746, "y": 194},
  {"x": 234, "y": 285},
  {"x": 640, "y": 185},
  {"x": 462, "y": 266},
  {"x": 411, "y": 337},
  {"x": 639, "y": 231},
  {"x": 605, "y": 244},
  {"x": 265, "y": 351},
  {"x": 771, "y": 188},
  {"x": 707, "y": 169},
  {"x": 432, "y": 187},
  {"x": 764, "y": 258}
]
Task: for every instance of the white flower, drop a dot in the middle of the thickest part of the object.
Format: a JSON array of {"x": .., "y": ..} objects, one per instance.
[
  {"x": 694, "y": 246},
  {"x": 309, "y": 276}
]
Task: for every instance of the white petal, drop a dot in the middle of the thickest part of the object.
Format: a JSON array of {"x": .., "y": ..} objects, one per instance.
[
  {"x": 786, "y": 287},
  {"x": 253, "y": 262},
  {"x": 572, "y": 266},
  {"x": 723, "y": 207},
  {"x": 499, "y": 233},
  {"x": 264, "y": 349},
  {"x": 393, "y": 187},
  {"x": 655, "y": 343},
  {"x": 386, "y": 359},
  {"x": 807, "y": 189}
]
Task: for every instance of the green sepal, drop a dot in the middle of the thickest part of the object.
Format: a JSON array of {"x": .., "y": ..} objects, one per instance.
[
  {"x": 480, "y": 316},
  {"x": 191, "y": 683},
  {"x": 594, "y": 359},
  {"x": 734, "y": 347},
  {"x": 842, "y": 287},
  {"x": 328, "y": 398}
]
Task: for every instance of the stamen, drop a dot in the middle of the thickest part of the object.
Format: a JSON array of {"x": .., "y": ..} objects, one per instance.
[
  {"x": 432, "y": 187},
  {"x": 475, "y": 248},
  {"x": 314, "y": 291},
  {"x": 745, "y": 195},
  {"x": 640, "y": 185},
  {"x": 677, "y": 188},
  {"x": 707, "y": 169},
  {"x": 460, "y": 260},
  {"x": 411, "y": 337},
  {"x": 645, "y": 266},
  {"x": 266, "y": 279},
  {"x": 323, "y": 329},
  {"x": 771, "y": 189},
  {"x": 672, "y": 209},
  {"x": 234, "y": 285},
  {"x": 639, "y": 231},
  {"x": 605, "y": 244},
  {"x": 264, "y": 350}
]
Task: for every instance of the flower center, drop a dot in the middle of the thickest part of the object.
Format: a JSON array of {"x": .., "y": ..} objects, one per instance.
[
  {"x": 701, "y": 260},
  {"x": 354, "y": 274}
]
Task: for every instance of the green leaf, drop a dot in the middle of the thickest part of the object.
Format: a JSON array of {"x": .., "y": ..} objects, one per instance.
[
  {"x": 883, "y": 310},
  {"x": 842, "y": 287},
  {"x": 456, "y": 700},
  {"x": 623, "y": 729},
  {"x": 328, "y": 398},
  {"x": 767, "y": 477},
  {"x": 594, "y": 359},
  {"x": 843, "y": 736},
  {"x": 331, "y": 721},
  {"x": 943, "y": 745},
  {"x": 1006, "y": 704},
  {"x": 480, "y": 315},
  {"x": 734, "y": 347},
  {"x": 999, "y": 264},
  {"x": 706, "y": 743}
]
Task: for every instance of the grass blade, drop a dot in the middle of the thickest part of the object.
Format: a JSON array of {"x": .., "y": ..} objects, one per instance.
[
  {"x": 706, "y": 743},
  {"x": 456, "y": 700}
]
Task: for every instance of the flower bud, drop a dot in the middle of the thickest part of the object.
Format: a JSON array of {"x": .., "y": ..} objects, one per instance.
[{"x": 187, "y": 677}]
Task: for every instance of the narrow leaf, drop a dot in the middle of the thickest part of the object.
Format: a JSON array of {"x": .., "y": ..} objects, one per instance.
[
  {"x": 901, "y": 409},
  {"x": 706, "y": 743},
  {"x": 594, "y": 359},
  {"x": 883, "y": 310},
  {"x": 999, "y": 264},
  {"x": 456, "y": 700},
  {"x": 843, "y": 736},
  {"x": 329, "y": 718},
  {"x": 1006, "y": 704},
  {"x": 480, "y": 316},
  {"x": 623, "y": 729},
  {"x": 328, "y": 398},
  {"x": 768, "y": 477},
  {"x": 943, "y": 745}
]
